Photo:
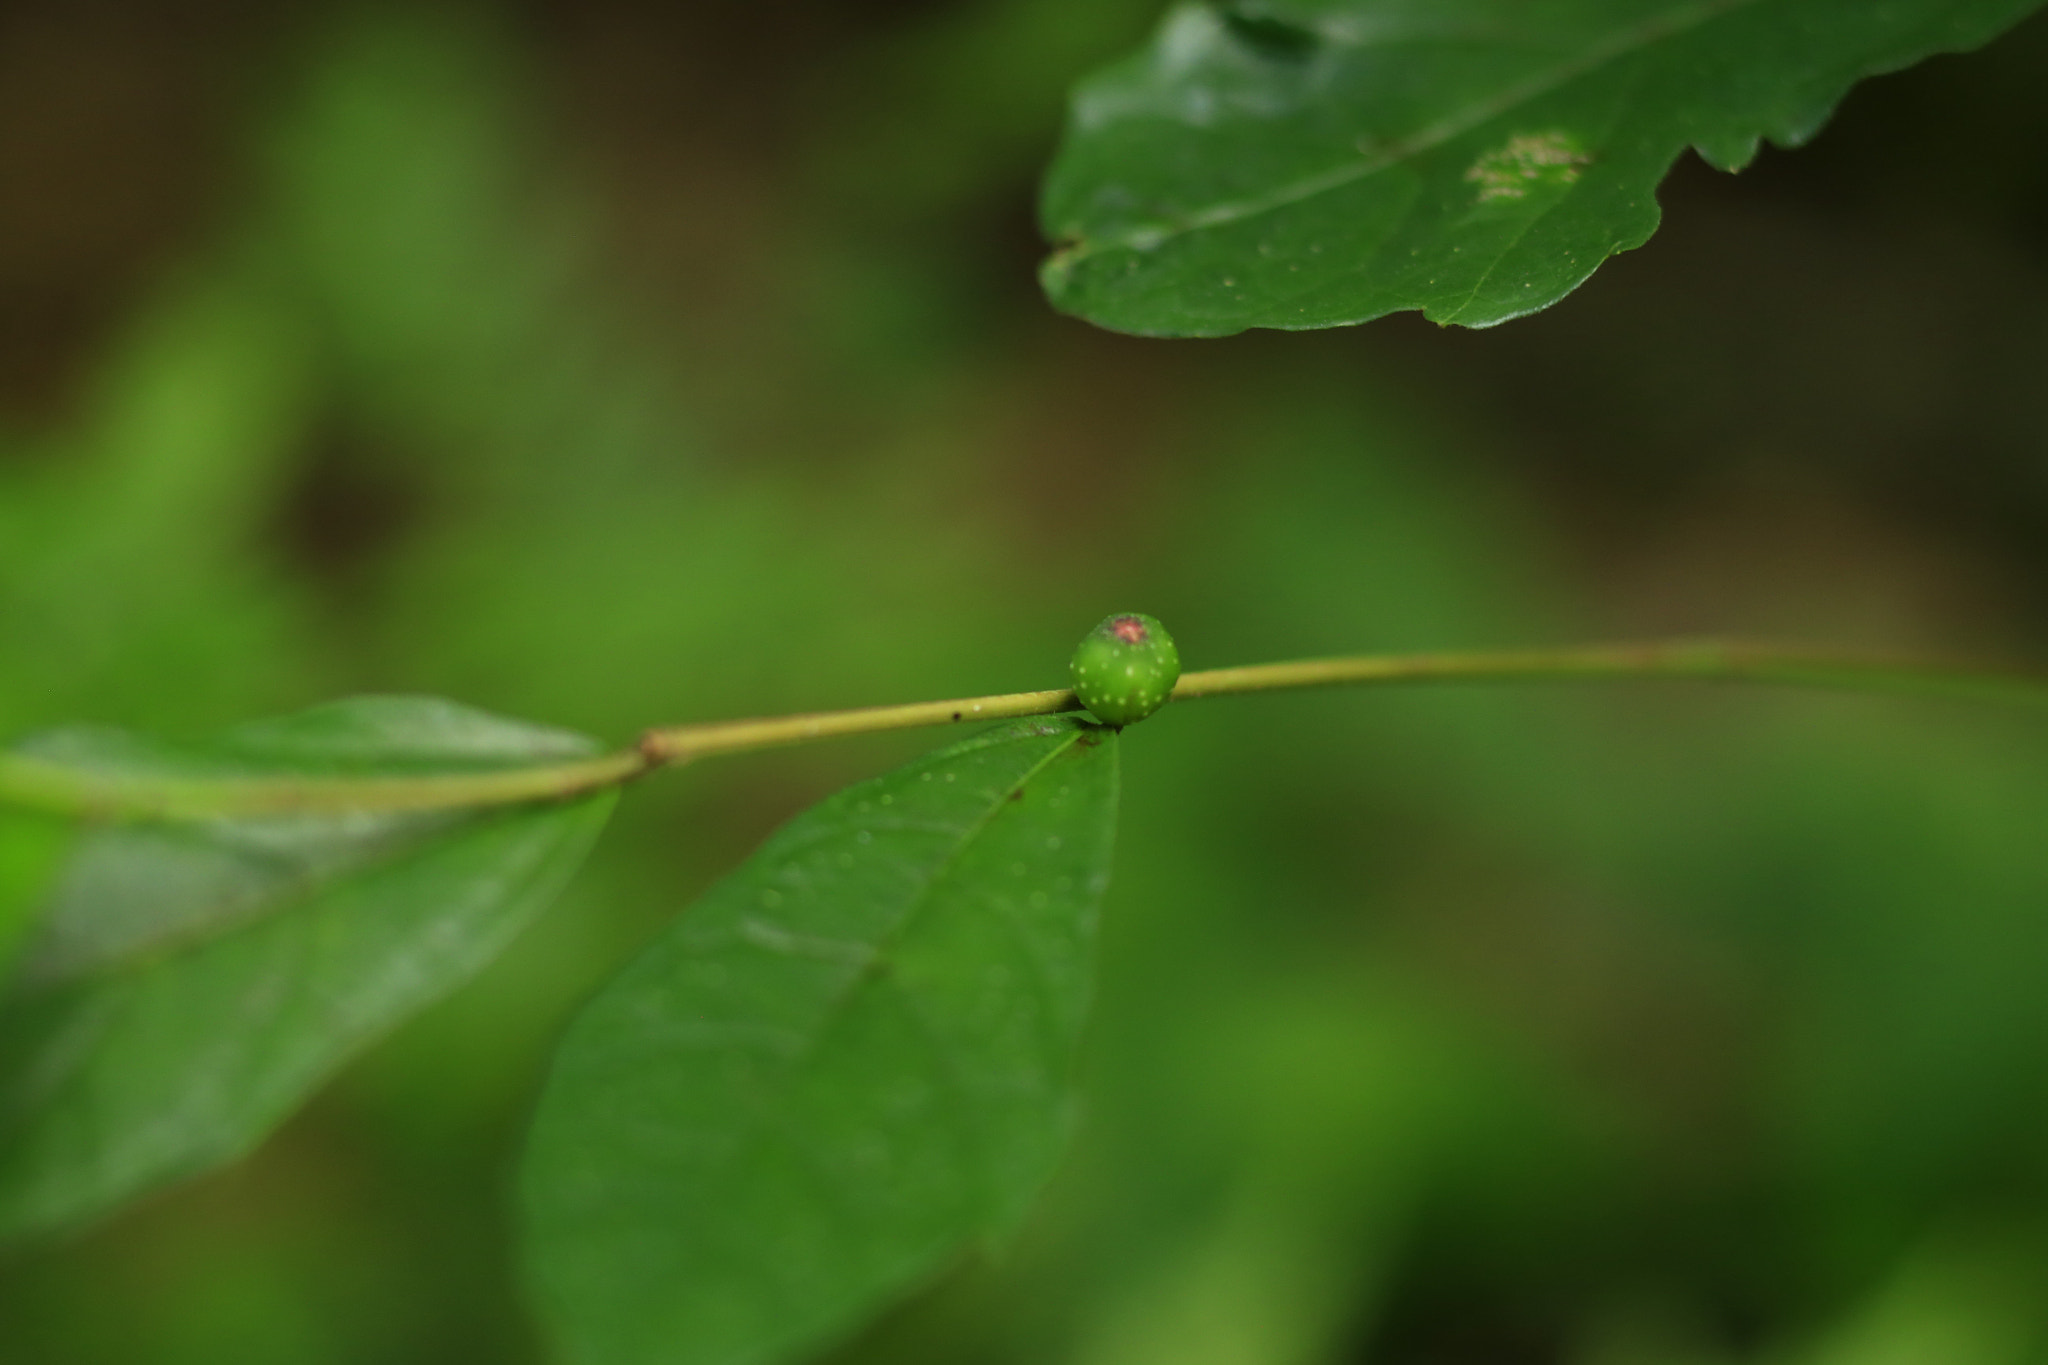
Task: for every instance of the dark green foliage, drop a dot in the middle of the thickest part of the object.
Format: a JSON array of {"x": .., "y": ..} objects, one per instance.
[
  {"x": 1125, "y": 668},
  {"x": 190, "y": 983},
  {"x": 1314, "y": 163},
  {"x": 1610, "y": 1027},
  {"x": 848, "y": 1061}
]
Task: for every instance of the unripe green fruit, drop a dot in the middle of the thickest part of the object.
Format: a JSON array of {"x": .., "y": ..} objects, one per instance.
[{"x": 1125, "y": 668}]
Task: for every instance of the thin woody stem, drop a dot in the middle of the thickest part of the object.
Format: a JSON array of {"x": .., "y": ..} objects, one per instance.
[
  {"x": 681, "y": 743},
  {"x": 1709, "y": 660},
  {"x": 39, "y": 784}
]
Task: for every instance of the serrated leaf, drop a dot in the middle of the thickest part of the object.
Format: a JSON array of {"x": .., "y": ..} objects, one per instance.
[
  {"x": 1316, "y": 163},
  {"x": 847, "y": 1061},
  {"x": 190, "y": 982}
]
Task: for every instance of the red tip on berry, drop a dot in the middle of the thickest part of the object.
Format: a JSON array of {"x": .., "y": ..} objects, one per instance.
[{"x": 1125, "y": 668}]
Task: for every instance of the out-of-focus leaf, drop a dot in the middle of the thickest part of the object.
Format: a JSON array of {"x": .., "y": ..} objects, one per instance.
[
  {"x": 849, "y": 1060},
  {"x": 1966, "y": 1295},
  {"x": 1315, "y": 163},
  {"x": 190, "y": 982},
  {"x": 31, "y": 848},
  {"x": 139, "y": 887},
  {"x": 136, "y": 573}
]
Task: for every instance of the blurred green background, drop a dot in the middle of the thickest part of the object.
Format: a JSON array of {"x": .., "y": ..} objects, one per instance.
[{"x": 617, "y": 363}]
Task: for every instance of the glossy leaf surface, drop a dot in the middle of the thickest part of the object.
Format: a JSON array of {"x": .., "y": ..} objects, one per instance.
[
  {"x": 844, "y": 1064},
  {"x": 190, "y": 982},
  {"x": 1315, "y": 163}
]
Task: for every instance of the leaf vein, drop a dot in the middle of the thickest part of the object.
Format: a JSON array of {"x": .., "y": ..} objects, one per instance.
[{"x": 1624, "y": 42}]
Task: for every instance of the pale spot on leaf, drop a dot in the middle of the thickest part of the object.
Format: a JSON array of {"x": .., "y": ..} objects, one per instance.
[{"x": 1525, "y": 162}]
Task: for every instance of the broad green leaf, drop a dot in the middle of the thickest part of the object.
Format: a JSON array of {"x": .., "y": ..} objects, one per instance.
[
  {"x": 847, "y": 1062},
  {"x": 1316, "y": 163},
  {"x": 191, "y": 982}
]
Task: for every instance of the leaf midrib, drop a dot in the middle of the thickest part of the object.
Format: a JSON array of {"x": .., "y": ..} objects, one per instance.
[
  {"x": 1623, "y": 43},
  {"x": 885, "y": 945},
  {"x": 760, "y": 1118}
]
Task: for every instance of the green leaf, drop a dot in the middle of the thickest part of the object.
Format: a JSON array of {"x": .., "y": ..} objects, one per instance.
[
  {"x": 191, "y": 982},
  {"x": 1316, "y": 163},
  {"x": 32, "y": 847},
  {"x": 142, "y": 887},
  {"x": 846, "y": 1062}
]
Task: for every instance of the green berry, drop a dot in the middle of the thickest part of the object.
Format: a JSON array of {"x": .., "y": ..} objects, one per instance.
[{"x": 1125, "y": 668}]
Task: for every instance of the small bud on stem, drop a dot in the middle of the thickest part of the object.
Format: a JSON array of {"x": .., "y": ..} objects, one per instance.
[{"x": 1126, "y": 668}]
